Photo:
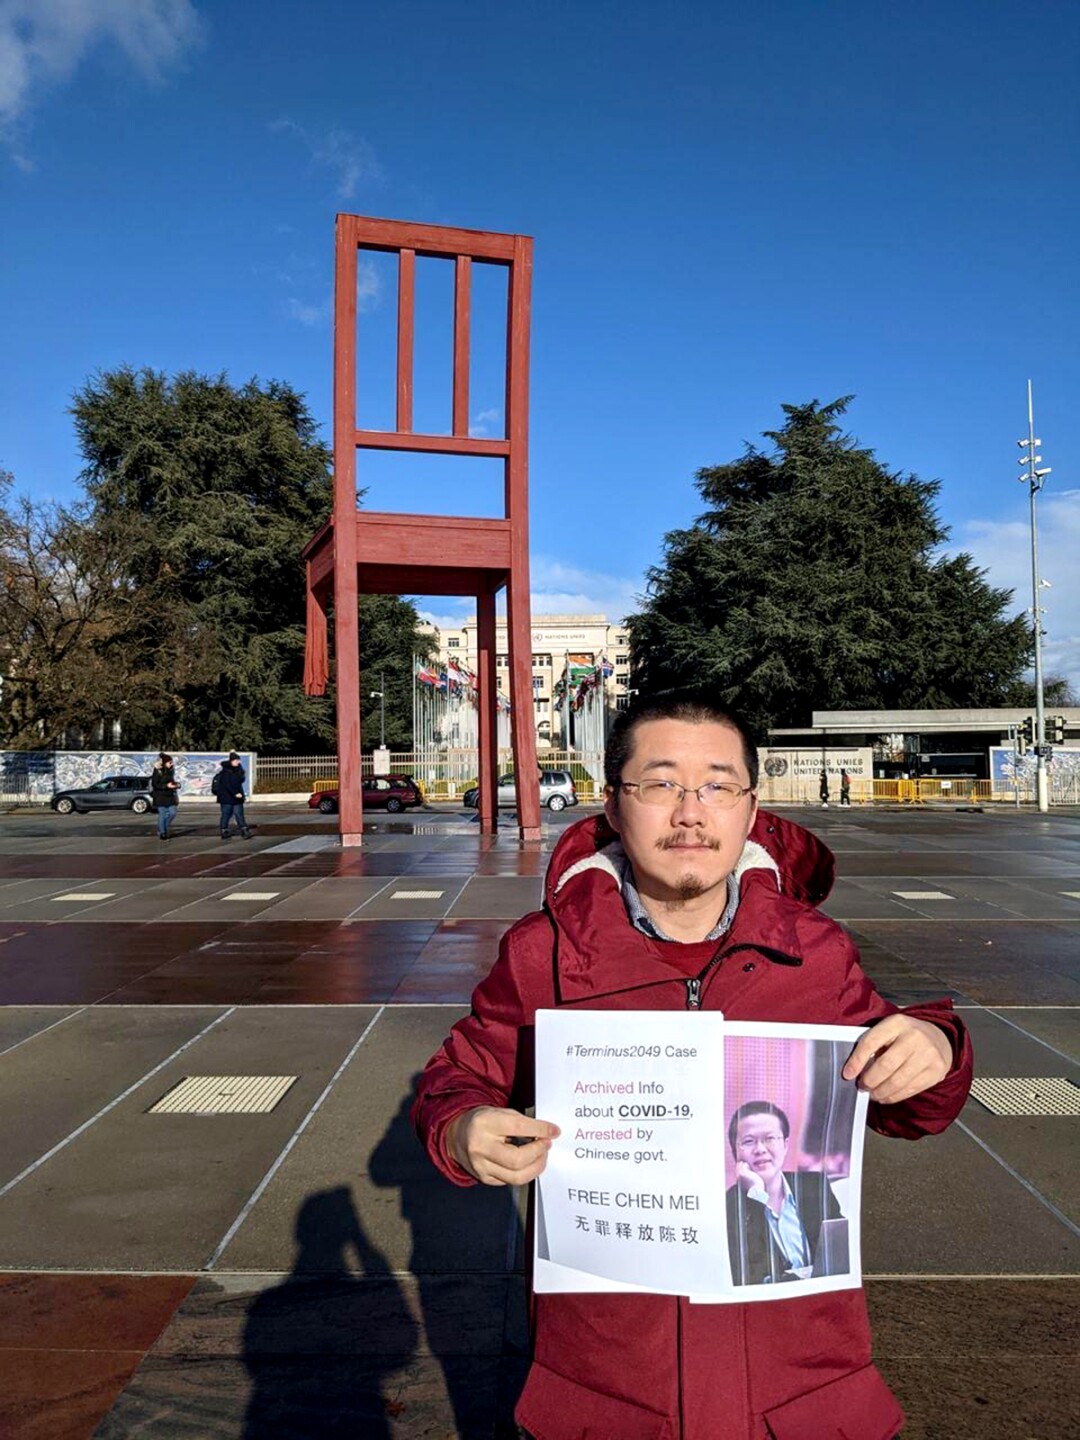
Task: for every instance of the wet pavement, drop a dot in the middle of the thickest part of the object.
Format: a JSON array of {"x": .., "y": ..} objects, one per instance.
[{"x": 306, "y": 1272}]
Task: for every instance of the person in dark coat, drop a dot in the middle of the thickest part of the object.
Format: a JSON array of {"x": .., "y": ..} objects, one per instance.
[
  {"x": 823, "y": 788},
  {"x": 164, "y": 791},
  {"x": 845, "y": 788},
  {"x": 229, "y": 792}
]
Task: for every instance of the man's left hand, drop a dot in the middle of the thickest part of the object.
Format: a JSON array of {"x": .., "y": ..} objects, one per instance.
[{"x": 899, "y": 1057}]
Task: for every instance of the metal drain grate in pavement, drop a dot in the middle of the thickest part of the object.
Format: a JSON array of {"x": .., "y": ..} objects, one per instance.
[
  {"x": 223, "y": 1095},
  {"x": 1028, "y": 1095}
]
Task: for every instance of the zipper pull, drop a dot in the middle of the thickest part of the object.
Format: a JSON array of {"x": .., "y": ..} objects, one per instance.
[{"x": 693, "y": 994}]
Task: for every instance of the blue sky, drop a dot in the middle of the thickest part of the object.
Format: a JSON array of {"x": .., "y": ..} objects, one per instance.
[{"x": 734, "y": 206}]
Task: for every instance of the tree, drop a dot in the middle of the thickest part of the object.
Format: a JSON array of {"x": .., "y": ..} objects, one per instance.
[
  {"x": 815, "y": 580},
  {"x": 216, "y": 488},
  {"x": 64, "y": 612},
  {"x": 390, "y": 636},
  {"x": 1058, "y": 692}
]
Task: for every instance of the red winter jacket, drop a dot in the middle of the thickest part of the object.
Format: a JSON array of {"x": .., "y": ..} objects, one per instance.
[{"x": 652, "y": 1367}]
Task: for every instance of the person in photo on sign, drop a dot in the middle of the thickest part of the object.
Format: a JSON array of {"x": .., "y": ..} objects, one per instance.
[
  {"x": 228, "y": 790},
  {"x": 683, "y": 896},
  {"x": 774, "y": 1215}
]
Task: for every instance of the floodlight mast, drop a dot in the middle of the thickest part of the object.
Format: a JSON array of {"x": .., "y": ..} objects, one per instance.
[{"x": 1036, "y": 478}]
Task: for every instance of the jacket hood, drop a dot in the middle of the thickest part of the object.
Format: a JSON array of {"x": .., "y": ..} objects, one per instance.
[{"x": 803, "y": 868}]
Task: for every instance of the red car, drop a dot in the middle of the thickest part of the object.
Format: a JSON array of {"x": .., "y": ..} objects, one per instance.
[{"x": 380, "y": 792}]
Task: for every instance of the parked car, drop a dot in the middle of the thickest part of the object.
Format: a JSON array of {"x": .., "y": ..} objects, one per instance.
[
  {"x": 557, "y": 791},
  {"x": 379, "y": 792},
  {"x": 115, "y": 792}
]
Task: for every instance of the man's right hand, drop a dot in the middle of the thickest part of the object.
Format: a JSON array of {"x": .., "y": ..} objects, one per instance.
[
  {"x": 749, "y": 1179},
  {"x": 499, "y": 1146}
]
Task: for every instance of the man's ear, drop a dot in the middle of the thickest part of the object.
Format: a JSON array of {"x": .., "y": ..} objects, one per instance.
[
  {"x": 753, "y": 813},
  {"x": 611, "y": 809}
]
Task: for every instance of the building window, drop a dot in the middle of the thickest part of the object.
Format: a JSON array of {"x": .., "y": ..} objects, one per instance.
[{"x": 453, "y": 643}]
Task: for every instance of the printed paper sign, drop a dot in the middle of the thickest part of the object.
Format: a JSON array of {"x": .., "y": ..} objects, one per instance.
[
  {"x": 697, "y": 1157},
  {"x": 633, "y": 1188}
]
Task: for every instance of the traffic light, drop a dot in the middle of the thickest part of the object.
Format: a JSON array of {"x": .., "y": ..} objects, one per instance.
[
  {"x": 1025, "y": 736},
  {"x": 1057, "y": 729}
]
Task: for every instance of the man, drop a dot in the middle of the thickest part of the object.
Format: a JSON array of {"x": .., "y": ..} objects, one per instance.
[
  {"x": 228, "y": 790},
  {"x": 774, "y": 1216},
  {"x": 164, "y": 792},
  {"x": 673, "y": 904}
]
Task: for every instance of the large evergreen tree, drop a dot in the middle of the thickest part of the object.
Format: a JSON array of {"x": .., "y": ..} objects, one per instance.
[
  {"x": 217, "y": 488},
  {"x": 814, "y": 580}
]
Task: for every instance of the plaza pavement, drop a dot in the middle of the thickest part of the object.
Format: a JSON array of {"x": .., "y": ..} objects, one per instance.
[{"x": 304, "y": 1272}]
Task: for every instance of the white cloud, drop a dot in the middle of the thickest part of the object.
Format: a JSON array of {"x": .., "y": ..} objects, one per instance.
[
  {"x": 483, "y": 420},
  {"x": 557, "y": 589},
  {"x": 1003, "y": 549},
  {"x": 561, "y": 589},
  {"x": 349, "y": 157},
  {"x": 368, "y": 286},
  {"x": 42, "y": 43},
  {"x": 309, "y": 315},
  {"x": 316, "y": 314}
]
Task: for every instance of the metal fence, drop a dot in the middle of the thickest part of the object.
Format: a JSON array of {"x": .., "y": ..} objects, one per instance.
[
  {"x": 447, "y": 774},
  {"x": 444, "y": 774},
  {"x": 1064, "y": 790}
]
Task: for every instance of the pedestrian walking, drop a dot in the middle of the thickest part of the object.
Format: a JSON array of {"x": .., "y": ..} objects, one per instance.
[
  {"x": 228, "y": 790},
  {"x": 845, "y": 788},
  {"x": 823, "y": 789},
  {"x": 164, "y": 792}
]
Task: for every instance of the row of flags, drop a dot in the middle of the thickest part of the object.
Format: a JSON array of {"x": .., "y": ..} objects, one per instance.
[
  {"x": 455, "y": 682},
  {"x": 578, "y": 680}
]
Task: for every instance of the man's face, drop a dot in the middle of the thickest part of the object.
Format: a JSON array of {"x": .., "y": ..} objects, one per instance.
[
  {"x": 689, "y": 850},
  {"x": 760, "y": 1143}
]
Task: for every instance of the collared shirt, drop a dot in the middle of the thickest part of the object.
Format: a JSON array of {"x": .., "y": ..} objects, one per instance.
[
  {"x": 643, "y": 921},
  {"x": 786, "y": 1228}
]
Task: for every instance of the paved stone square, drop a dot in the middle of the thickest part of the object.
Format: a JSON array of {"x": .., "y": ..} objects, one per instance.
[{"x": 305, "y": 1272}]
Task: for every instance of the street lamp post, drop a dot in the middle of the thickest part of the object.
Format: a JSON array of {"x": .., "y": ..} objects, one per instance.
[
  {"x": 1035, "y": 478},
  {"x": 380, "y": 695}
]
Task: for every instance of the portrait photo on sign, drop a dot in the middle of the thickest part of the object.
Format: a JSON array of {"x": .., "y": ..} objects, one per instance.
[{"x": 793, "y": 1146}]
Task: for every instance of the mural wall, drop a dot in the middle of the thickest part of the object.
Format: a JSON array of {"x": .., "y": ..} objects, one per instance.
[
  {"x": 40, "y": 773},
  {"x": 1007, "y": 768}
]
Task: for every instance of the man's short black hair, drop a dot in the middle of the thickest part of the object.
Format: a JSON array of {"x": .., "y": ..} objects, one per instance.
[
  {"x": 698, "y": 706},
  {"x": 756, "y": 1107}
]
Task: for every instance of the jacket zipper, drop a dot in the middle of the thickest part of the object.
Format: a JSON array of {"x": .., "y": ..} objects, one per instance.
[{"x": 693, "y": 986}]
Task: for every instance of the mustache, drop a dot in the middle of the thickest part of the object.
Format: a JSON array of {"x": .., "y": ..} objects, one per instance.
[{"x": 673, "y": 842}]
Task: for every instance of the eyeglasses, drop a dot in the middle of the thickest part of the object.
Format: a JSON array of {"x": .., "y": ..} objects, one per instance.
[
  {"x": 717, "y": 795},
  {"x": 770, "y": 1142}
]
